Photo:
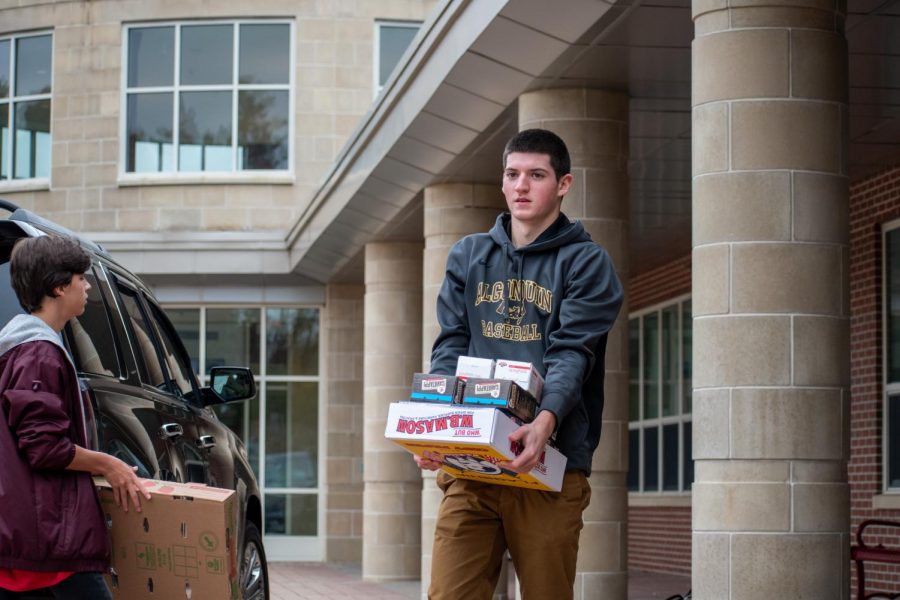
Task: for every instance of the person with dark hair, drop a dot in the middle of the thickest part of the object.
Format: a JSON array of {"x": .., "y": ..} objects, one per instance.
[
  {"x": 561, "y": 329},
  {"x": 52, "y": 531}
]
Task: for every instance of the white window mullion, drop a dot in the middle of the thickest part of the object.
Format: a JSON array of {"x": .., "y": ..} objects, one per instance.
[
  {"x": 640, "y": 404},
  {"x": 263, "y": 369},
  {"x": 202, "y": 345},
  {"x": 660, "y": 388},
  {"x": 235, "y": 57},
  {"x": 7, "y": 158},
  {"x": 679, "y": 393}
]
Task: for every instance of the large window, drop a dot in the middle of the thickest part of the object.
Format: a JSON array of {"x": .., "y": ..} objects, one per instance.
[
  {"x": 892, "y": 355},
  {"x": 208, "y": 97},
  {"x": 659, "y": 436},
  {"x": 392, "y": 38},
  {"x": 280, "y": 428},
  {"x": 25, "y": 88}
]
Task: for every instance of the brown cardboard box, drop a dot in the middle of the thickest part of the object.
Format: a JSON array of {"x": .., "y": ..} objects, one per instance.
[{"x": 182, "y": 544}]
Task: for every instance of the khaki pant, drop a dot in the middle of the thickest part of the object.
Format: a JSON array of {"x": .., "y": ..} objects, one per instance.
[{"x": 478, "y": 521}]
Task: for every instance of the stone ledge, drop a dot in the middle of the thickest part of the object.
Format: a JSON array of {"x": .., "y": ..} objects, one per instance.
[
  {"x": 659, "y": 500},
  {"x": 887, "y": 501}
]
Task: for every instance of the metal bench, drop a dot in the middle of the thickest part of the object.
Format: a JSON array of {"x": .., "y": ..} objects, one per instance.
[{"x": 862, "y": 553}]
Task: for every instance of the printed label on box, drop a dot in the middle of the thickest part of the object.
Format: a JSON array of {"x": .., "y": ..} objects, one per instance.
[{"x": 472, "y": 442}]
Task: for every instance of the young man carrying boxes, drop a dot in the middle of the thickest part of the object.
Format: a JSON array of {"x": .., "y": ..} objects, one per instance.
[{"x": 536, "y": 289}]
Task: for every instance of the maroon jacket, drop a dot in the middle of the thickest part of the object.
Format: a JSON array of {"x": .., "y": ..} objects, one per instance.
[{"x": 50, "y": 518}]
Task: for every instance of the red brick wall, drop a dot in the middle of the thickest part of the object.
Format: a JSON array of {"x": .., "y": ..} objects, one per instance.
[
  {"x": 660, "y": 284},
  {"x": 659, "y": 538},
  {"x": 873, "y": 202}
]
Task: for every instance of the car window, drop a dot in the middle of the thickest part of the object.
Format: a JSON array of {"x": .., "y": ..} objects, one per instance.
[
  {"x": 149, "y": 366},
  {"x": 173, "y": 352},
  {"x": 90, "y": 337},
  {"x": 9, "y": 304}
]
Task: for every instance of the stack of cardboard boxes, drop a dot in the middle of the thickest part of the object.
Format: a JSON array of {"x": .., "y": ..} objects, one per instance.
[{"x": 467, "y": 419}]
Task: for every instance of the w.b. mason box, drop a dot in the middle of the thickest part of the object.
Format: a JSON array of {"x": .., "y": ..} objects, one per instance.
[{"x": 471, "y": 441}]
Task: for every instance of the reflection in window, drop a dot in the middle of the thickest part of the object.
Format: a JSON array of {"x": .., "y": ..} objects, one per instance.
[
  {"x": 90, "y": 337},
  {"x": 892, "y": 357},
  {"x": 149, "y": 133},
  {"x": 144, "y": 349},
  {"x": 291, "y": 514},
  {"x": 393, "y": 39},
  {"x": 660, "y": 399},
  {"x": 210, "y": 98},
  {"x": 292, "y": 438},
  {"x": 204, "y": 125},
  {"x": 263, "y": 130},
  {"x": 265, "y": 56},
  {"x": 292, "y": 341},
  {"x": 280, "y": 427},
  {"x": 232, "y": 338},
  {"x": 25, "y": 99}
]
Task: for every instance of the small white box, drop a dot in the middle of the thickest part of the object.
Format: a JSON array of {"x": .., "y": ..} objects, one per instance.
[
  {"x": 471, "y": 442},
  {"x": 471, "y": 366},
  {"x": 522, "y": 373}
]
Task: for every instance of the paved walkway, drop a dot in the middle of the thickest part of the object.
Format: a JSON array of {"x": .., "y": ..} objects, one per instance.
[{"x": 317, "y": 581}]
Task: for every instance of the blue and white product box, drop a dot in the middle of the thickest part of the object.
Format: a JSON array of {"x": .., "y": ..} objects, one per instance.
[
  {"x": 443, "y": 389},
  {"x": 471, "y": 366},
  {"x": 471, "y": 442}
]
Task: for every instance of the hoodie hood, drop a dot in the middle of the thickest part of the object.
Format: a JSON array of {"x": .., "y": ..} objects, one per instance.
[
  {"x": 27, "y": 328},
  {"x": 560, "y": 233}
]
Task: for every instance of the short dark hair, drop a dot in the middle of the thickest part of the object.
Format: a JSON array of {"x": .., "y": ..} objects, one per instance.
[
  {"x": 39, "y": 265},
  {"x": 541, "y": 141}
]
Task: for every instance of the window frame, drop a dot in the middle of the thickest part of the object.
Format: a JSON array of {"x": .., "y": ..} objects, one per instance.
[
  {"x": 681, "y": 419},
  {"x": 273, "y": 176},
  {"x": 285, "y": 546},
  {"x": 377, "y": 86},
  {"x": 12, "y": 184},
  {"x": 888, "y": 388}
]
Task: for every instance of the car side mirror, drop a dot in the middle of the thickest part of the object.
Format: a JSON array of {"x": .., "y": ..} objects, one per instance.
[{"x": 229, "y": 384}]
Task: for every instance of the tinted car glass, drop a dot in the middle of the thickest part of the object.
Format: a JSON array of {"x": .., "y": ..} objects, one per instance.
[
  {"x": 150, "y": 368},
  {"x": 173, "y": 354},
  {"x": 9, "y": 304},
  {"x": 90, "y": 337}
]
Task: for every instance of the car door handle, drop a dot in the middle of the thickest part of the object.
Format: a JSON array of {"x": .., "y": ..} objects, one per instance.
[
  {"x": 206, "y": 442},
  {"x": 171, "y": 430}
]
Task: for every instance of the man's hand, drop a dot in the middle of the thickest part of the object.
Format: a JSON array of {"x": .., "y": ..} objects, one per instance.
[
  {"x": 430, "y": 461},
  {"x": 121, "y": 477},
  {"x": 532, "y": 436}
]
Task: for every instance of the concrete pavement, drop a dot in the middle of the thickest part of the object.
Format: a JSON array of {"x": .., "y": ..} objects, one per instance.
[{"x": 318, "y": 581}]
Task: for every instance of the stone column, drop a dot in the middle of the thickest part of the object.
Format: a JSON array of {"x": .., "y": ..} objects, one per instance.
[
  {"x": 393, "y": 335},
  {"x": 452, "y": 211},
  {"x": 343, "y": 347},
  {"x": 594, "y": 125},
  {"x": 771, "y": 303}
]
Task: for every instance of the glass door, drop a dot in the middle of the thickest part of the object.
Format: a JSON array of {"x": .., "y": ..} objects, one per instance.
[{"x": 280, "y": 428}]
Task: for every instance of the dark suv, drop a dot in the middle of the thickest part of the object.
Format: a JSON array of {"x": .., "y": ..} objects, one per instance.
[{"x": 148, "y": 409}]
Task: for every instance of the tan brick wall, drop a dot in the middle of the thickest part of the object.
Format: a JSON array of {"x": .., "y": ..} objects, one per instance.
[
  {"x": 343, "y": 347},
  {"x": 333, "y": 90}
]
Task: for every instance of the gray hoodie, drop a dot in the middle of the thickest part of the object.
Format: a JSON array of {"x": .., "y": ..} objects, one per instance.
[{"x": 551, "y": 303}]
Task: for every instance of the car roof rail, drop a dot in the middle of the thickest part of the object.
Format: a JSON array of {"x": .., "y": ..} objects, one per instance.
[
  {"x": 26, "y": 216},
  {"x": 7, "y": 205}
]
